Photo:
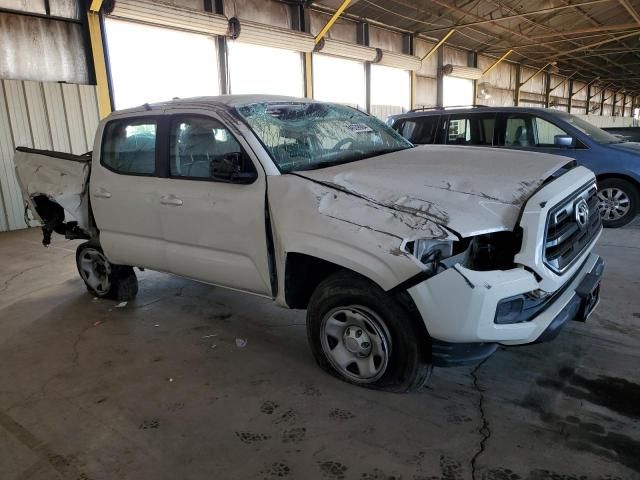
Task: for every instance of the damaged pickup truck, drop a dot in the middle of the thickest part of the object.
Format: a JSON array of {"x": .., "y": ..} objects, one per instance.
[{"x": 404, "y": 257}]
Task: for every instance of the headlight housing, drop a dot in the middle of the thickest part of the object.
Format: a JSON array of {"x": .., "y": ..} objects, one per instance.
[{"x": 429, "y": 252}]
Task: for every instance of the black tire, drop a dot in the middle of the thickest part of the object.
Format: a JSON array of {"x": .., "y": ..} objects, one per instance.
[
  {"x": 407, "y": 363},
  {"x": 118, "y": 282},
  {"x": 629, "y": 190}
]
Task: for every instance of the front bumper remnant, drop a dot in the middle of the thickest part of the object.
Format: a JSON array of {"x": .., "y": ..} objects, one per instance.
[{"x": 459, "y": 306}]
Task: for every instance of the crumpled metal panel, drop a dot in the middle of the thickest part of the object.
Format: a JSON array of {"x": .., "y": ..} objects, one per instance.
[
  {"x": 46, "y": 116},
  {"x": 41, "y": 49}
]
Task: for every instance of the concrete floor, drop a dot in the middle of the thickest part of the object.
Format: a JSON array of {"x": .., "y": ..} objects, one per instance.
[{"x": 92, "y": 391}]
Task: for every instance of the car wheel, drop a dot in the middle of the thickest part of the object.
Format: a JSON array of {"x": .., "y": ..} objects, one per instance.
[
  {"x": 618, "y": 202},
  {"x": 362, "y": 335},
  {"x": 102, "y": 278}
]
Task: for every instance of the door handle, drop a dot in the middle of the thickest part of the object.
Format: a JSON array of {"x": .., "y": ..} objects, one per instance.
[
  {"x": 102, "y": 193},
  {"x": 170, "y": 200}
]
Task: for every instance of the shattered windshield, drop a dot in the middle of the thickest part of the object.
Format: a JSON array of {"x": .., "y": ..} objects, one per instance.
[{"x": 306, "y": 136}]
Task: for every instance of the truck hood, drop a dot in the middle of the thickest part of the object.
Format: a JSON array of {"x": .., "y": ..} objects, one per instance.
[{"x": 468, "y": 190}]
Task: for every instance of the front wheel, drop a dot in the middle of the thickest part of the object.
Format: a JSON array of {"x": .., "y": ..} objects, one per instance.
[
  {"x": 618, "y": 202},
  {"x": 102, "y": 278},
  {"x": 360, "y": 334}
]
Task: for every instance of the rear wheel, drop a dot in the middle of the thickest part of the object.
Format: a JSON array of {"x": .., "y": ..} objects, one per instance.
[
  {"x": 362, "y": 335},
  {"x": 102, "y": 278},
  {"x": 618, "y": 202}
]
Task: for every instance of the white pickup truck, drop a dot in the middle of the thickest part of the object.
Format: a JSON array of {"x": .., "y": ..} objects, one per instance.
[{"x": 404, "y": 257}]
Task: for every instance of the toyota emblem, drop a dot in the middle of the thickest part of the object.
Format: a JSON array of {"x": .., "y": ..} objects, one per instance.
[{"x": 581, "y": 211}]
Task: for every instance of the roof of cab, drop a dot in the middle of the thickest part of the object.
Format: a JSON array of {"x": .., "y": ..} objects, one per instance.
[{"x": 228, "y": 101}]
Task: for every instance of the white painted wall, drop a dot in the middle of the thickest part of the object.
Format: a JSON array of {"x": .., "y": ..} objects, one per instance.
[
  {"x": 607, "y": 121},
  {"x": 47, "y": 116}
]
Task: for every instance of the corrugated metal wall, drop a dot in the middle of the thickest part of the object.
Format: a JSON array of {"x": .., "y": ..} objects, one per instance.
[{"x": 48, "y": 116}]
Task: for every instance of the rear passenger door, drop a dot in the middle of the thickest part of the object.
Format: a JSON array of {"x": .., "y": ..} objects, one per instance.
[
  {"x": 124, "y": 191},
  {"x": 214, "y": 227}
]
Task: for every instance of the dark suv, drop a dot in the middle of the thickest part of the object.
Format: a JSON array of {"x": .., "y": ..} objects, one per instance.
[{"x": 615, "y": 162}]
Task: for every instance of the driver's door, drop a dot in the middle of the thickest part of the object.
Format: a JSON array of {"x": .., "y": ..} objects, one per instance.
[{"x": 213, "y": 226}]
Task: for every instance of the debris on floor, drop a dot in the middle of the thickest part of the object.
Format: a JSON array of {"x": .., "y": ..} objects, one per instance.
[
  {"x": 121, "y": 305},
  {"x": 241, "y": 342},
  {"x": 209, "y": 336}
]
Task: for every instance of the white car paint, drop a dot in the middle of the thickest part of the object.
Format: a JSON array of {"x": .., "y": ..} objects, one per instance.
[{"x": 358, "y": 216}]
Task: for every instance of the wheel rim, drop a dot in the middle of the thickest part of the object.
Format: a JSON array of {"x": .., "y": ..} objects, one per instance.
[
  {"x": 614, "y": 203},
  {"x": 95, "y": 270},
  {"x": 356, "y": 342}
]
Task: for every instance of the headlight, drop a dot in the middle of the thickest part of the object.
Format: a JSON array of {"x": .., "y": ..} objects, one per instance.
[{"x": 429, "y": 251}]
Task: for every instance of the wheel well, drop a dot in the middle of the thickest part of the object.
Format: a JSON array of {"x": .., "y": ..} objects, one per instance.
[
  {"x": 303, "y": 273},
  {"x": 606, "y": 176}
]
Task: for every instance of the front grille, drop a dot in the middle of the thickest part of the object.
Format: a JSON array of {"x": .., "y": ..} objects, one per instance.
[{"x": 566, "y": 237}]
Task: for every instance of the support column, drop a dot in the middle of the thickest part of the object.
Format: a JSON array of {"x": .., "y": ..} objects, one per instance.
[
  {"x": 440, "y": 79},
  {"x": 363, "y": 39},
  {"x": 217, "y": 6},
  {"x": 409, "y": 48},
  {"x": 96, "y": 34},
  {"x": 547, "y": 93},
  {"x": 472, "y": 61},
  {"x": 570, "y": 96},
  {"x": 516, "y": 96}
]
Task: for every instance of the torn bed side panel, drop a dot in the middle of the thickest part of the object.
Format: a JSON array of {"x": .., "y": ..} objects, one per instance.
[
  {"x": 342, "y": 229},
  {"x": 60, "y": 177}
]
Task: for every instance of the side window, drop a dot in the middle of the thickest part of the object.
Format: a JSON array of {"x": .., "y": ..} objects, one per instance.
[
  {"x": 471, "y": 129},
  {"x": 129, "y": 146},
  {"x": 547, "y": 132},
  {"x": 459, "y": 132},
  {"x": 420, "y": 131},
  {"x": 518, "y": 131},
  {"x": 203, "y": 148}
]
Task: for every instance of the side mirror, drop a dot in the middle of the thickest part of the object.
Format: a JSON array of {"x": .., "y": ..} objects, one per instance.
[
  {"x": 229, "y": 168},
  {"x": 563, "y": 141}
]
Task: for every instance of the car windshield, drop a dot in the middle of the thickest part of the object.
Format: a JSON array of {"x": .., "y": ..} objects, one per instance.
[
  {"x": 306, "y": 136},
  {"x": 594, "y": 133}
]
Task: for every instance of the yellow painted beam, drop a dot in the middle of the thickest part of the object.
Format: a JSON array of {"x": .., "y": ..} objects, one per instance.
[
  {"x": 332, "y": 20},
  {"x": 308, "y": 75},
  {"x": 563, "y": 81},
  {"x": 497, "y": 62},
  {"x": 537, "y": 72},
  {"x": 99, "y": 62},
  {"x": 435, "y": 48},
  {"x": 95, "y": 6}
]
